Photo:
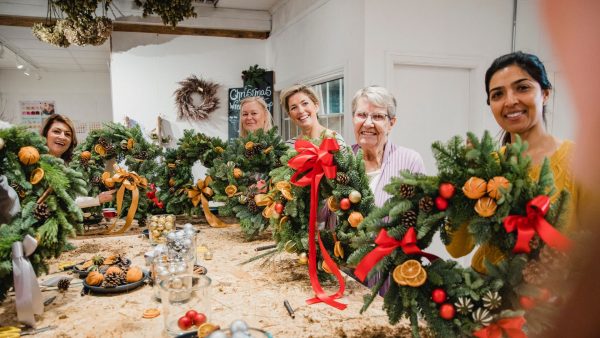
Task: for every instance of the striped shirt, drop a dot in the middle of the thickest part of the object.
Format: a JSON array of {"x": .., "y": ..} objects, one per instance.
[{"x": 395, "y": 159}]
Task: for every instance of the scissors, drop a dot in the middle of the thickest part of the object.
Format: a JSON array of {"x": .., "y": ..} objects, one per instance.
[{"x": 16, "y": 332}]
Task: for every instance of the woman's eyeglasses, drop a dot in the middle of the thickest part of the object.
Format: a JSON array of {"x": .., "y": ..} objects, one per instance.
[{"x": 375, "y": 117}]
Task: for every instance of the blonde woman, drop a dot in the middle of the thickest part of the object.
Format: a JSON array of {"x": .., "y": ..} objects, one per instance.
[
  {"x": 302, "y": 105},
  {"x": 254, "y": 115}
]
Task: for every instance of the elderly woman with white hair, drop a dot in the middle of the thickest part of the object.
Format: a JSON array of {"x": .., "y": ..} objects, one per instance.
[
  {"x": 373, "y": 116},
  {"x": 254, "y": 115}
]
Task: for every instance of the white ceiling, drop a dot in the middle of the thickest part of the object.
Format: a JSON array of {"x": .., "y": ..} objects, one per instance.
[{"x": 41, "y": 57}]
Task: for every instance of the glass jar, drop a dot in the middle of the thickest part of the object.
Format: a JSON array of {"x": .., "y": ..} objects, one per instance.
[
  {"x": 181, "y": 294},
  {"x": 164, "y": 267}
]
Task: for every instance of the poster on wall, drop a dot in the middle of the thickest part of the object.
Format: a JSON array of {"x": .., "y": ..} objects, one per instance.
[
  {"x": 34, "y": 112},
  {"x": 236, "y": 95}
]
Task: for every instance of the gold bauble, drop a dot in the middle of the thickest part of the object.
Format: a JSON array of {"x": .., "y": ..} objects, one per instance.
[
  {"x": 303, "y": 258},
  {"x": 333, "y": 204},
  {"x": 354, "y": 196}
]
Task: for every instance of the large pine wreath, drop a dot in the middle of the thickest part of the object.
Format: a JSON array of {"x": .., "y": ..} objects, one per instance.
[{"x": 47, "y": 189}]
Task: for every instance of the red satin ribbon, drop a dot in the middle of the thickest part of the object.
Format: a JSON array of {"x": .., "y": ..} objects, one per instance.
[
  {"x": 313, "y": 163},
  {"x": 509, "y": 327},
  {"x": 152, "y": 196},
  {"x": 534, "y": 222},
  {"x": 385, "y": 246}
]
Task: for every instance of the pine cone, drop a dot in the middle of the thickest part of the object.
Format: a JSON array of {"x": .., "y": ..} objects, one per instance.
[
  {"x": 409, "y": 218},
  {"x": 63, "y": 284},
  {"x": 142, "y": 222},
  {"x": 102, "y": 268},
  {"x": 250, "y": 152},
  {"x": 426, "y": 204},
  {"x": 96, "y": 180},
  {"x": 407, "y": 190},
  {"x": 535, "y": 273},
  {"x": 114, "y": 279},
  {"x": 84, "y": 162},
  {"x": 258, "y": 148},
  {"x": 342, "y": 178},
  {"x": 252, "y": 207},
  {"x": 41, "y": 211},
  {"x": 103, "y": 142},
  {"x": 551, "y": 258}
]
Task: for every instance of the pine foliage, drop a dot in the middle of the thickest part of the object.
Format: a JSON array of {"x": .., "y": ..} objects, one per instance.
[{"x": 63, "y": 216}]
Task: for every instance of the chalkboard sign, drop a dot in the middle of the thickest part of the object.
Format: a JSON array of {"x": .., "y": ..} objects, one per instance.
[{"x": 236, "y": 95}]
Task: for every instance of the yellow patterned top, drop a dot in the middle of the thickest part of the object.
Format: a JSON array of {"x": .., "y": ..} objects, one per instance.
[{"x": 560, "y": 163}]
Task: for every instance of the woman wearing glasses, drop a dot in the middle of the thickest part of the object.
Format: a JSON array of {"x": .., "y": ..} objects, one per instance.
[{"x": 373, "y": 116}]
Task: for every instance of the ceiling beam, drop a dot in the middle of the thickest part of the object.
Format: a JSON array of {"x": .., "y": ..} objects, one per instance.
[{"x": 28, "y": 21}]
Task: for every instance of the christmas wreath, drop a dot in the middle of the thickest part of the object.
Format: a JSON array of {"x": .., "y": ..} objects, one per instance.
[
  {"x": 240, "y": 179},
  {"x": 47, "y": 189},
  {"x": 185, "y": 102},
  {"x": 125, "y": 146},
  {"x": 176, "y": 172},
  {"x": 488, "y": 191},
  {"x": 342, "y": 196}
]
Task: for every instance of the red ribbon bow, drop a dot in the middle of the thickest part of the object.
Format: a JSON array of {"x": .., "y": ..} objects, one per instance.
[
  {"x": 385, "y": 246},
  {"x": 534, "y": 222},
  {"x": 313, "y": 163},
  {"x": 152, "y": 196},
  {"x": 509, "y": 327}
]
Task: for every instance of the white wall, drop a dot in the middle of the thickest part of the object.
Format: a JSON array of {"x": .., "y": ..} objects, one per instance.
[
  {"x": 146, "y": 69},
  {"x": 317, "y": 40},
  {"x": 84, "y": 97}
]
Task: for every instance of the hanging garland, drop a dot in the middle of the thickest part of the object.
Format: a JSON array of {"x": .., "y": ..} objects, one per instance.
[
  {"x": 171, "y": 12},
  {"x": 185, "y": 102},
  {"x": 176, "y": 172},
  {"x": 123, "y": 145},
  {"x": 491, "y": 193},
  {"x": 47, "y": 189},
  {"x": 240, "y": 178}
]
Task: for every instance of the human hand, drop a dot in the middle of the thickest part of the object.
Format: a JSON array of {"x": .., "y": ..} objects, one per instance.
[{"x": 106, "y": 196}]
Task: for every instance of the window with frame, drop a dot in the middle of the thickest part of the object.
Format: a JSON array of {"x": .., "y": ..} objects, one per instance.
[{"x": 331, "y": 110}]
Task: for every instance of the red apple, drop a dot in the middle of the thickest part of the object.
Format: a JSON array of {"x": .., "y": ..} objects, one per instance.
[
  {"x": 199, "y": 319},
  {"x": 447, "y": 311},
  {"x": 441, "y": 203},
  {"x": 185, "y": 323},
  {"x": 278, "y": 208},
  {"x": 191, "y": 314},
  {"x": 446, "y": 190},
  {"x": 345, "y": 204},
  {"x": 527, "y": 303},
  {"x": 438, "y": 295}
]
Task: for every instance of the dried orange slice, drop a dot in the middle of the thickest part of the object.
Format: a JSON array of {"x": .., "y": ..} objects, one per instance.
[
  {"x": 36, "y": 175},
  {"x": 338, "y": 250},
  {"x": 151, "y": 313},
  {"x": 418, "y": 280},
  {"x": 410, "y": 269},
  {"x": 87, "y": 264},
  {"x": 130, "y": 143},
  {"x": 332, "y": 204},
  {"x": 206, "y": 329},
  {"x": 397, "y": 276},
  {"x": 100, "y": 150}
]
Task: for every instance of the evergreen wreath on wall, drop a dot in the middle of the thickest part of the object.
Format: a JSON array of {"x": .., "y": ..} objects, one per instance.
[
  {"x": 47, "y": 190},
  {"x": 488, "y": 192},
  {"x": 186, "y": 109}
]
